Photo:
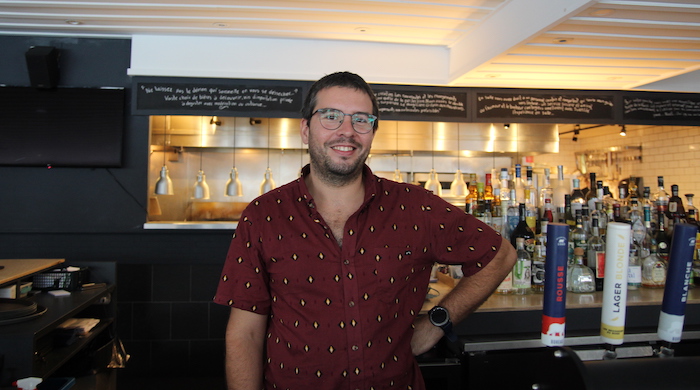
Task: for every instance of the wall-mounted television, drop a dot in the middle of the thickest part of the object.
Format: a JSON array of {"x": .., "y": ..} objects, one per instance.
[{"x": 61, "y": 127}]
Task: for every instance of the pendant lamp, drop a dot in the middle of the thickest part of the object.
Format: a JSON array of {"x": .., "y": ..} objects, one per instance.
[
  {"x": 268, "y": 183},
  {"x": 433, "y": 182},
  {"x": 234, "y": 187},
  {"x": 201, "y": 188},
  {"x": 458, "y": 186},
  {"x": 164, "y": 186}
]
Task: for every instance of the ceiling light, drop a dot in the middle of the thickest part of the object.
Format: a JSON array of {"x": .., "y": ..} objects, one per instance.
[
  {"x": 562, "y": 40},
  {"x": 220, "y": 24},
  {"x": 74, "y": 22},
  {"x": 602, "y": 12},
  {"x": 362, "y": 29},
  {"x": 623, "y": 130}
]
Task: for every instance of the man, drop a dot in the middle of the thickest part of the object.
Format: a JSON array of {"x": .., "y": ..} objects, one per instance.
[{"x": 325, "y": 275}]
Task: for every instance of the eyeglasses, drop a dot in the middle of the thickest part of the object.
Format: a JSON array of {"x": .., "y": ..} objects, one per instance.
[{"x": 332, "y": 119}]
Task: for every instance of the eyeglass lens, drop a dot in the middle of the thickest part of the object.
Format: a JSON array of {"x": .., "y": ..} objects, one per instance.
[{"x": 331, "y": 119}]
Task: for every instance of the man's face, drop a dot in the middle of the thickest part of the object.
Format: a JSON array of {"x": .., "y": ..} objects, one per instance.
[{"x": 338, "y": 156}]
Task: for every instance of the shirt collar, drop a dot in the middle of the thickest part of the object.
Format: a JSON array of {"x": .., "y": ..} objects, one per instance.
[{"x": 370, "y": 181}]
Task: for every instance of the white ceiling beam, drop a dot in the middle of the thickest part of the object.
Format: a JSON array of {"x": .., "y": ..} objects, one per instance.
[{"x": 515, "y": 22}]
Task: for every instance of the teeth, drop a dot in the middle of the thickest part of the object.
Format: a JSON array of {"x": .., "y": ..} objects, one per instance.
[{"x": 343, "y": 148}]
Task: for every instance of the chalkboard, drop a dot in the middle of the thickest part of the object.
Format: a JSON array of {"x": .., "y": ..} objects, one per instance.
[
  {"x": 428, "y": 104},
  {"x": 219, "y": 98},
  {"x": 661, "y": 108},
  {"x": 543, "y": 106}
]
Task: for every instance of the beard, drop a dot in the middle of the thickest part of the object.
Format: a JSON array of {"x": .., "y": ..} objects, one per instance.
[{"x": 336, "y": 173}]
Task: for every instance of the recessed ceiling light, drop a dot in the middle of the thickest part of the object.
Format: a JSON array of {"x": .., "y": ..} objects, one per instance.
[
  {"x": 73, "y": 22},
  {"x": 362, "y": 29},
  {"x": 220, "y": 24},
  {"x": 602, "y": 12},
  {"x": 562, "y": 40},
  {"x": 492, "y": 75}
]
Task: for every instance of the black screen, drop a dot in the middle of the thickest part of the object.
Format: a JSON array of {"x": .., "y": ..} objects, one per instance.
[{"x": 68, "y": 127}]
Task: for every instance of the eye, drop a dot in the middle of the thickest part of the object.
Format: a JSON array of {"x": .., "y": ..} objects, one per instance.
[
  {"x": 332, "y": 115},
  {"x": 360, "y": 118}
]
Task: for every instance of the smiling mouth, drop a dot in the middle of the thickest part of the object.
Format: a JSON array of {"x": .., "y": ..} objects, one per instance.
[{"x": 343, "y": 148}]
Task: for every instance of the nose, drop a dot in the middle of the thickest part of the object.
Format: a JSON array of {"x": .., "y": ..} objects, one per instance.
[{"x": 346, "y": 126}]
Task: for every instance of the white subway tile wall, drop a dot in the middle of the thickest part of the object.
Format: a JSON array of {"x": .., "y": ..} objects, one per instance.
[{"x": 669, "y": 151}]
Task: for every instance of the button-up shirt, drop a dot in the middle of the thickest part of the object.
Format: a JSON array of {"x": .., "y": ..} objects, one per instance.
[{"x": 341, "y": 317}]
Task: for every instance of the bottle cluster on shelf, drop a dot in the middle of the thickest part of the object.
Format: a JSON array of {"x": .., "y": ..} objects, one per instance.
[{"x": 521, "y": 212}]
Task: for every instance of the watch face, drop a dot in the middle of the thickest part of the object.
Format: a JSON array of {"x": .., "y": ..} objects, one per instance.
[{"x": 438, "y": 316}]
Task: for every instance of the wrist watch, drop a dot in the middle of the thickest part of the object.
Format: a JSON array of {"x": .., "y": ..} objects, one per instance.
[{"x": 440, "y": 317}]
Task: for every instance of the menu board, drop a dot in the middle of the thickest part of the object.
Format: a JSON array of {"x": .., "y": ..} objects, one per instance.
[
  {"x": 223, "y": 99},
  {"x": 428, "y": 104},
  {"x": 543, "y": 106},
  {"x": 680, "y": 108}
]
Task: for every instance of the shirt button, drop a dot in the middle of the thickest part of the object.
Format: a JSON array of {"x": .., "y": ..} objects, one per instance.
[
  {"x": 346, "y": 262},
  {"x": 355, "y": 347},
  {"x": 351, "y": 304}
]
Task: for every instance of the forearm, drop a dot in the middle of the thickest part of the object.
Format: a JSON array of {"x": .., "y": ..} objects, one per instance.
[
  {"x": 474, "y": 290},
  {"x": 244, "y": 355}
]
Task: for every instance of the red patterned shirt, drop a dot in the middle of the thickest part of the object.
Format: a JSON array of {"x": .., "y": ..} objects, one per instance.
[{"x": 341, "y": 317}]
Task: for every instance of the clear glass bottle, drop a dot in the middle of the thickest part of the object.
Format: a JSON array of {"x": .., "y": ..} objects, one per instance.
[
  {"x": 637, "y": 221},
  {"x": 579, "y": 237},
  {"x": 634, "y": 268},
  {"x": 559, "y": 193},
  {"x": 653, "y": 272},
  {"x": 592, "y": 193},
  {"x": 577, "y": 198},
  {"x": 601, "y": 217},
  {"x": 519, "y": 185},
  {"x": 531, "y": 191},
  {"x": 580, "y": 278},
  {"x": 505, "y": 195},
  {"x": 547, "y": 192},
  {"x": 522, "y": 277},
  {"x": 596, "y": 255},
  {"x": 539, "y": 258},
  {"x": 506, "y": 286}
]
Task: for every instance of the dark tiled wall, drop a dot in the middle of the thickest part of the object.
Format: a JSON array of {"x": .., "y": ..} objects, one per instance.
[{"x": 167, "y": 320}]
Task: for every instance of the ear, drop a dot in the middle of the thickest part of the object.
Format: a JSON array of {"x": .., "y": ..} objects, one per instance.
[{"x": 304, "y": 131}]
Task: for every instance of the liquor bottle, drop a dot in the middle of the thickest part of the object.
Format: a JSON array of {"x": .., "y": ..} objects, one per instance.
[
  {"x": 479, "y": 208},
  {"x": 547, "y": 192},
  {"x": 559, "y": 192},
  {"x": 596, "y": 254},
  {"x": 506, "y": 286},
  {"x": 653, "y": 272},
  {"x": 548, "y": 214},
  {"x": 539, "y": 258},
  {"x": 577, "y": 198},
  {"x": 601, "y": 217},
  {"x": 597, "y": 194},
  {"x": 531, "y": 190},
  {"x": 488, "y": 188},
  {"x": 647, "y": 202},
  {"x": 580, "y": 278},
  {"x": 586, "y": 219},
  {"x": 639, "y": 231},
  {"x": 676, "y": 211},
  {"x": 578, "y": 236},
  {"x": 634, "y": 267},
  {"x": 608, "y": 202},
  {"x": 531, "y": 214},
  {"x": 592, "y": 193},
  {"x": 487, "y": 216},
  {"x": 522, "y": 230},
  {"x": 649, "y": 243},
  {"x": 661, "y": 200},
  {"x": 470, "y": 200},
  {"x": 522, "y": 269},
  {"x": 691, "y": 211},
  {"x": 519, "y": 185},
  {"x": 569, "y": 218},
  {"x": 512, "y": 217},
  {"x": 632, "y": 188},
  {"x": 505, "y": 193},
  {"x": 662, "y": 239},
  {"x": 623, "y": 204}
]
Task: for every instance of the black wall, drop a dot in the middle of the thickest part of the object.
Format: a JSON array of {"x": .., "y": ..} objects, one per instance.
[{"x": 166, "y": 279}]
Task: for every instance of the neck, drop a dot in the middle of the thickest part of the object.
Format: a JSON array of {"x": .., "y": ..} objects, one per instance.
[{"x": 322, "y": 187}]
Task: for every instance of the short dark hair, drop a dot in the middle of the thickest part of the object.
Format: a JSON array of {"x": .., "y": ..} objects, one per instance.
[{"x": 338, "y": 79}]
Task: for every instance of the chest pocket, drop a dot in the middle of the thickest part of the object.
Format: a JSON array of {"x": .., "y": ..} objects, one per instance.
[{"x": 397, "y": 270}]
